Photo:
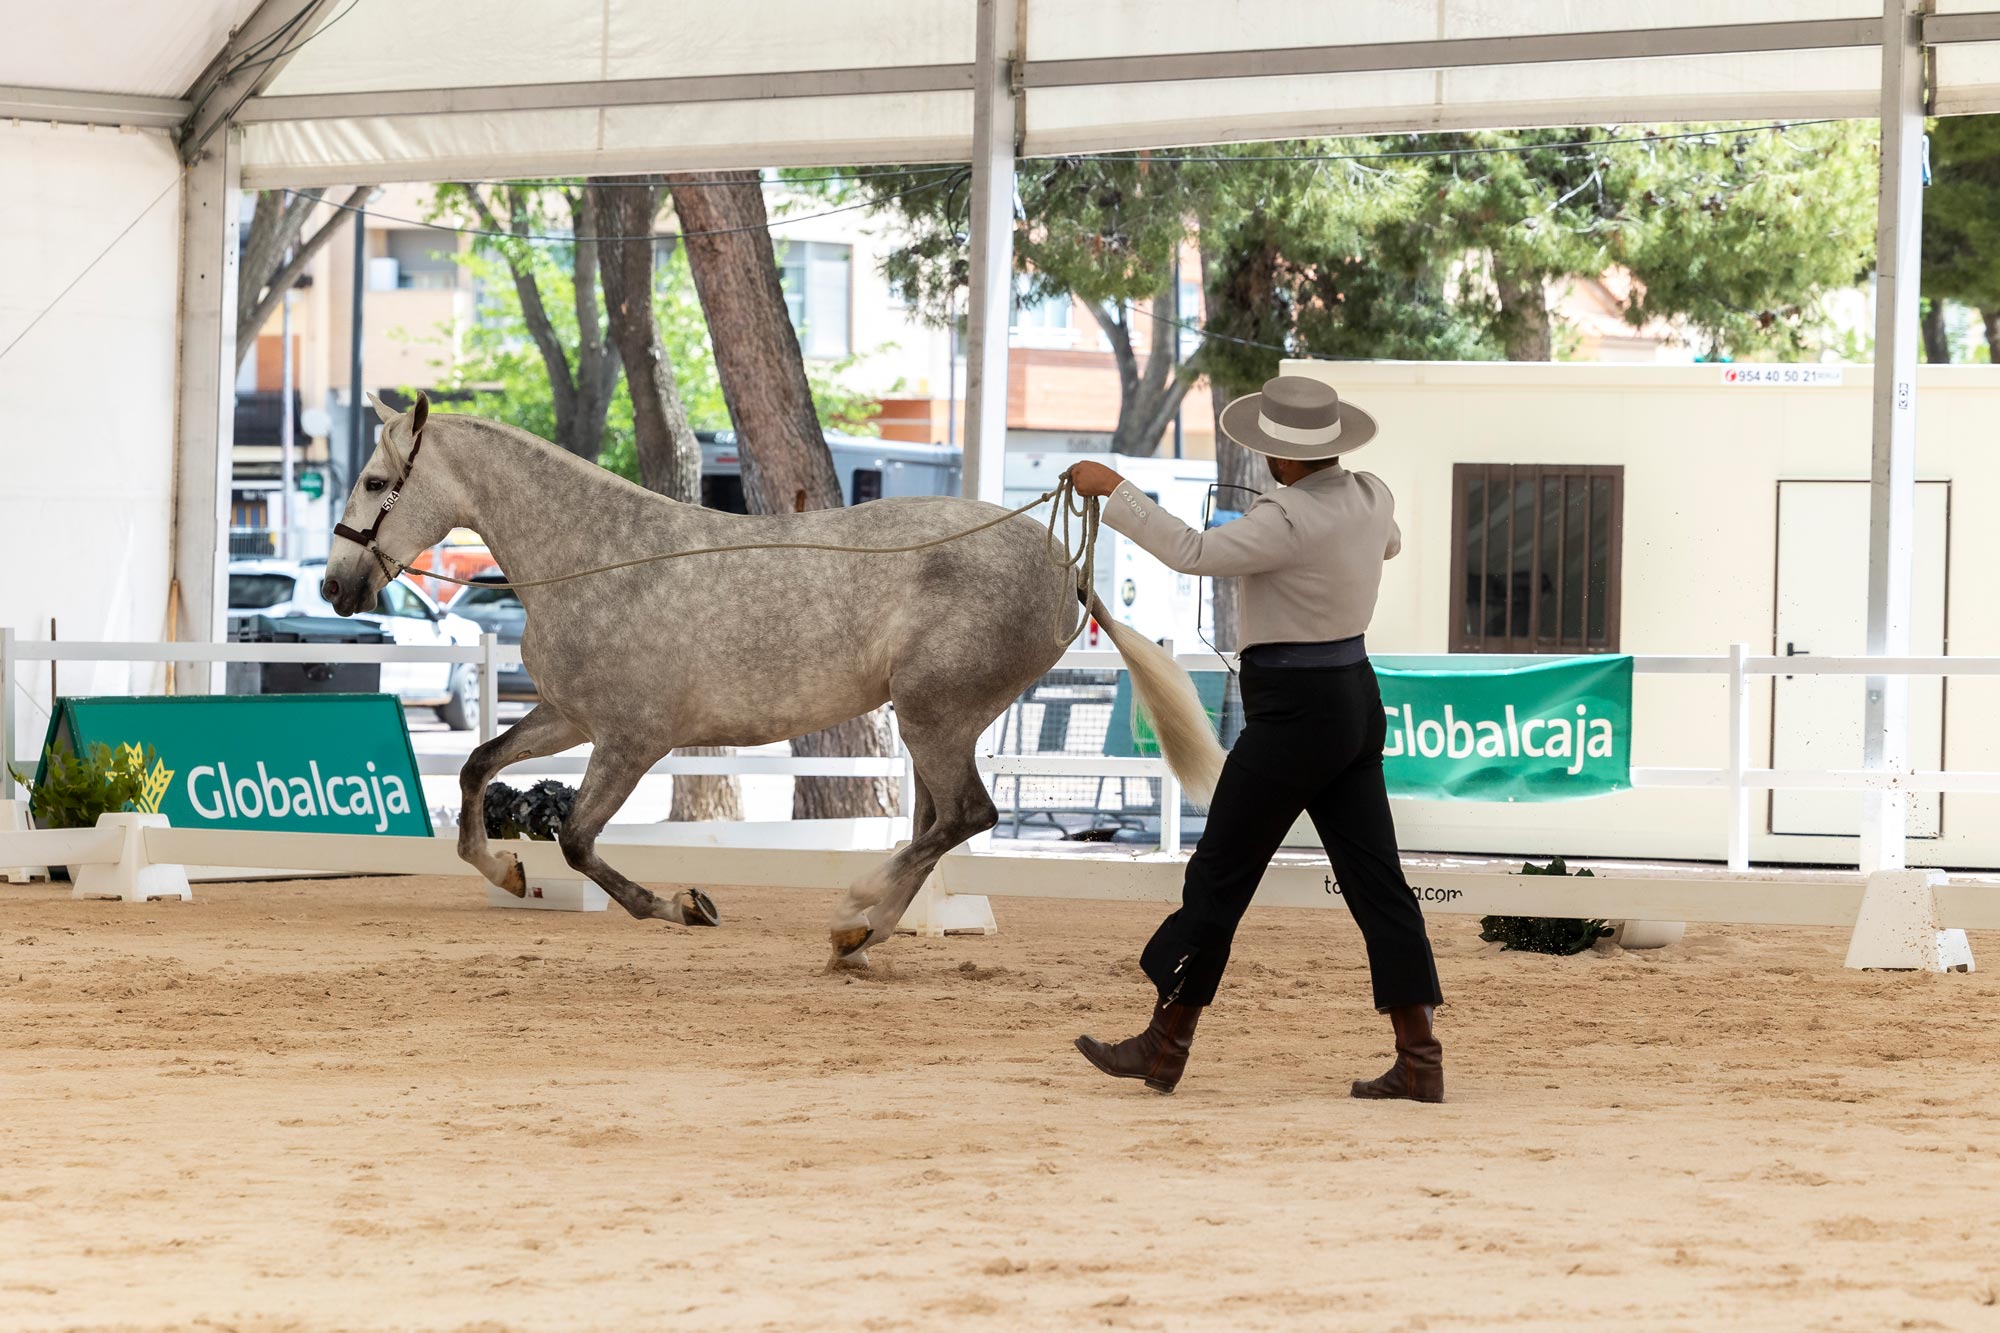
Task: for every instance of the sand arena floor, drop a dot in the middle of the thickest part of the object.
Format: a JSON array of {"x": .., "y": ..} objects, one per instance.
[{"x": 378, "y": 1104}]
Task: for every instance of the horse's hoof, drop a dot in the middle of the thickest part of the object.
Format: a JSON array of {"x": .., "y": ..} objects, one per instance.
[
  {"x": 849, "y": 941},
  {"x": 697, "y": 908},
  {"x": 515, "y": 879},
  {"x": 848, "y": 962}
]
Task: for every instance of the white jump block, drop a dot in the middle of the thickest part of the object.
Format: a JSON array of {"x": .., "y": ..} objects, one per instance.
[
  {"x": 1897, "y": 928},
  {"x": 933, "y": 912},
  {"x": 14, "y": 819},
  {"x": 1648, "y": 934},
  {"x": 131, "y": 878},
  {"x": 552, "y": 895}
]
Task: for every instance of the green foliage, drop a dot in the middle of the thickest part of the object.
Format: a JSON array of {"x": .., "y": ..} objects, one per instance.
[
  {"x": 1391, "y": 255},
  {"x": 500, "y": 369},
  {"x": 1743, "y": 234},
  {"x": 1737, "y": 234},
  {"x": 76, "y": 789},
  {"x": 1333, "y": 259},
  {"x": 1962, "y": 212},
  {"x": 1536, "y": 934},
  {"x": 505, "y": 378}
]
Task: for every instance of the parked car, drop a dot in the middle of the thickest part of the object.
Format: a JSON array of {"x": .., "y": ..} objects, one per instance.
[
  {"x": 492, "y": 605},
  {"x": 279, "y": 588}
]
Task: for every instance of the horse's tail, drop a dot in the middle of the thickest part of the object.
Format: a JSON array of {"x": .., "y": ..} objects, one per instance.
[{"x": 1167, "y": 693}]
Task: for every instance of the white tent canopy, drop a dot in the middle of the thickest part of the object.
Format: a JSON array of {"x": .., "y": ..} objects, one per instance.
[
  {"x": 374, "y": 90},
  {"x": 581, "y": 86},
  {"x": 262, "y": 93}
]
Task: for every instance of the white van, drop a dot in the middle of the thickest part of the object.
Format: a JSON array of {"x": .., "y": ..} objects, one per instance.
[{"x": 1139, "y": 590}]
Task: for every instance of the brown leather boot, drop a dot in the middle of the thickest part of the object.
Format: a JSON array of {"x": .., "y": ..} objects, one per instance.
[
  {"x": 1418, "y": 1074},
  {"x": 1158, "y": 1055}
]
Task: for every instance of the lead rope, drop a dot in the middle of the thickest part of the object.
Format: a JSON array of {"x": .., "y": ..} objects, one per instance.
[{"x": 1080, "y": 515}]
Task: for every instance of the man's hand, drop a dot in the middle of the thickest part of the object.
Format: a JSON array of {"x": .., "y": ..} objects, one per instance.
[{"x": 1094, "y": 479}]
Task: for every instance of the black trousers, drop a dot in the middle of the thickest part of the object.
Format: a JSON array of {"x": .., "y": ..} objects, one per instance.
[{"x": 1311, "y": 743}]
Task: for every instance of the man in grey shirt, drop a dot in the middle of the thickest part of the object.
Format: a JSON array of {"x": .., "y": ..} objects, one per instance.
[{"x": 1310, "y": 558}]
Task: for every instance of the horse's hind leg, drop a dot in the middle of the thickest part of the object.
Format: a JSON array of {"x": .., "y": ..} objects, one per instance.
[
  {"x": 609, "y": 779},
  {"x": 542, "y": 731},
  {"x": 959, "y": 808}
]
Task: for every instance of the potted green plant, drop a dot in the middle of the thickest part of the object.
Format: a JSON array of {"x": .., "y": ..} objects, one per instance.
[
  {"x": 1544, "y": 934},
  {"x": 74, "y": 789}
]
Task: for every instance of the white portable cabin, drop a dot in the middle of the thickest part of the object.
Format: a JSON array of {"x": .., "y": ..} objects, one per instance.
[
  {"x": 1704, "y": 505},
  {"x": 1138, "y": 590}
]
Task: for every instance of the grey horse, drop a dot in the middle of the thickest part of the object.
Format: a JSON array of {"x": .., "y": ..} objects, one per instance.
[{"x": 739, "y": 648}]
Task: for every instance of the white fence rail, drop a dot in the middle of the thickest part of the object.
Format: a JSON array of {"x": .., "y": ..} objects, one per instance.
[
  {"x": 1833, "y": 900},
  {"x": 1737, "y": 669}
]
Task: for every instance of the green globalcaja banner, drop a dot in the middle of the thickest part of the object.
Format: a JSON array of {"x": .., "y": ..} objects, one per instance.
[
  {"x": 296, "y": 763},
  {"x": 1552, "y": 731}
]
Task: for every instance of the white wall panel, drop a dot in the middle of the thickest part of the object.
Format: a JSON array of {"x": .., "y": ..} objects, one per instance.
[
  {"x": 909, "y": 127},
  {"x": 87, "y": 397}
]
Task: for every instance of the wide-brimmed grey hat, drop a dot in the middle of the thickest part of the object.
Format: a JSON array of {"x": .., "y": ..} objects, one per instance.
[{"x": 1297, "y": 417}]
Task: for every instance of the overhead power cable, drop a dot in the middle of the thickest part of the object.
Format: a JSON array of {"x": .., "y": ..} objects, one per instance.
[{"x": 1723, "y": 132}]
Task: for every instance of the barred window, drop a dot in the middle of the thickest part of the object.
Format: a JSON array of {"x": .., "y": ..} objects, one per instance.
[{"x": 1536, "y": 557}]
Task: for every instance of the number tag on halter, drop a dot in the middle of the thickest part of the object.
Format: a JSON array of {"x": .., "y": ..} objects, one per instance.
[{"x": 390, "y": 501}]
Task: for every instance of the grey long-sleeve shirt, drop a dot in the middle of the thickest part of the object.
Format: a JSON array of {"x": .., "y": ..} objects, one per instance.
[{"x": 1311, "y": 555}]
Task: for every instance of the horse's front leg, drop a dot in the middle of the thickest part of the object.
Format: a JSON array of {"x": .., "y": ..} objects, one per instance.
[
  {"x": 542, "y": 731},
  {"x": 610, "y": 778}
]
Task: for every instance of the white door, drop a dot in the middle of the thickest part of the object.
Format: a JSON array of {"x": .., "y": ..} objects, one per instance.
[{"x": 1823, "y": 610}]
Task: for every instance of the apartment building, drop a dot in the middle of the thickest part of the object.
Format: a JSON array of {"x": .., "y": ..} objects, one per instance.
[{"x": 416, "y": 302}]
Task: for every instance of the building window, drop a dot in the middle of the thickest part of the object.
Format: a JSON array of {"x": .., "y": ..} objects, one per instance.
[
  {"x": 425, "y": 259},
  {"x": 1535, "y": 559},
  {"x": 1048, "y": 312},
  {"x": 817, "y": 278},
  {"x": 867, "y": 485}
]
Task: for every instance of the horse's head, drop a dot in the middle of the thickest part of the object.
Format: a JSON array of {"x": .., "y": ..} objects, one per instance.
[{"x": 402, "y": 503}]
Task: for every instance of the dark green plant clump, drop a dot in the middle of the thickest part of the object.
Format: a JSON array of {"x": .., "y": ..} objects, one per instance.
[
  {"x": 1542, "y": 934},
  {"x": 538, "y": 813},
  {"x": 76, "y": 789}
]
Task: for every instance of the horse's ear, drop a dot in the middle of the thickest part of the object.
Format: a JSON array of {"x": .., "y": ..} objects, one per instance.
[
  {"x": 382, "y": 409},
  {"x": 420, "y": 414}
]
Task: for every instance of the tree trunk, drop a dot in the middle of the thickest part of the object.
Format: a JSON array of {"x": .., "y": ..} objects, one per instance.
[
  {"x": 596, "y": 358},
  {"x": 1991, "y": 319},
  {"x": 1937, "y": 343},
  {"x": 757, "y": 354},
  {"x": 778, "y": 434},
  {"x": 1525, "y": 330},
  {"x": 1148, "y": 394},
  {"x": 702, "y": 796},
  {"x": 669, "y": 454},
  {"x": 845, "y": 798}
]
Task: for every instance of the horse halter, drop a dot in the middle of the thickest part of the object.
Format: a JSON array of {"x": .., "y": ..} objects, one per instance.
[{"x": 365, "y": 538}]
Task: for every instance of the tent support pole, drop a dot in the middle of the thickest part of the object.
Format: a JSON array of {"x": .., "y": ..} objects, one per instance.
[
  {"x": 207, "y": 409},
  {"x": 1892, "y": 477},
  {"x": 995, "y": 126}
]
